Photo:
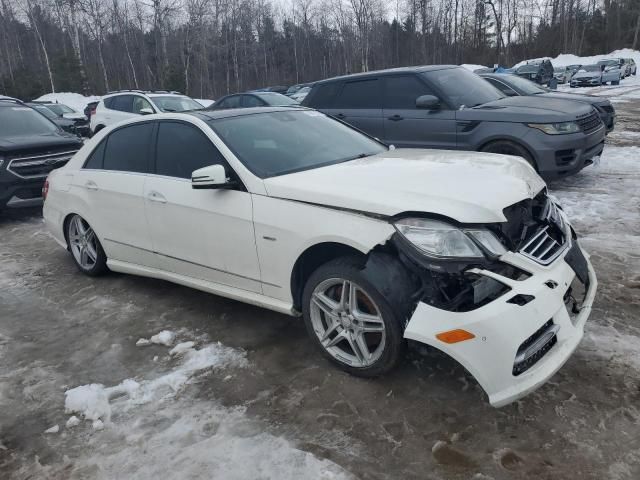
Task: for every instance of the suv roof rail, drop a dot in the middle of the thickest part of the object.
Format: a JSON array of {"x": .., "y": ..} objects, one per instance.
[
  {"x": 137, "y": 90},
  {"x": 125, "y": 90}
]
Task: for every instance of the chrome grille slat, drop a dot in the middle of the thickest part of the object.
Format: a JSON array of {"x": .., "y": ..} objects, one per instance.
[
  {"x": 543, "y": 248},
  {"x": 38, "y": 166}
]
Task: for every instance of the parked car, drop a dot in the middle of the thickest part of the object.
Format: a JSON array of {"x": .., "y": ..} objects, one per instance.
[
  {"x": 254, "y": 99},
  {"x": 442, "y": 106},
  {"x": 610, "y": 67},
  {"x": 595, "y": 75},
  {"x": 561, "y": 74},
  {"x": 295, "y": 88},
  {"x": 281, "y": 89},
  {"x": 630, "y": 66},
  {"x": 512, "y": 85},
  {"x": 31, "y": 146},
  {"x": 290, "y": 210},
  {"x": 125, "y": 104},
  {"x": 301, "y": 94},
  {"x": 539, "y": 71},
  {"x": 65, "y": 117}
]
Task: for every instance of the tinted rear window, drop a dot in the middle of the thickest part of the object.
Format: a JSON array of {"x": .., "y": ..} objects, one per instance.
[
  {"x": 128, "y": 147},
  {"x": 360, "y": 94},
  {"x": 95, "y": 159},
  {"x": 322, "y": 96}
]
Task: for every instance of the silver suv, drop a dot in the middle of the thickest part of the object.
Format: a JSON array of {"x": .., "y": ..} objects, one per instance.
[{"x": 125, "y": 104}]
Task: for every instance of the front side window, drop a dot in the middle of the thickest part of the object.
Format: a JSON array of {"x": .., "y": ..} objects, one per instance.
[
  {"x": 139, "y": 103},
  {"x": 277, "y": 143},
  {"x": 127, "y": 148},
  {"x": 19, "y": 120},
  {"x": 360, "y": 94},
  {"x": 401, "y": 92},
  {"x": 175, "y": 103},
  {"x": 462, "y": 87},
  {"x": 182, "y": 149},
  {"x": 230, "y": 102}
]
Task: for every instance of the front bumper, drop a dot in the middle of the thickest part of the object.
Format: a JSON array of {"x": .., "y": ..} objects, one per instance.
[
  {"x": 500, "y": 328},
  {"x": 19, "y": 193}
]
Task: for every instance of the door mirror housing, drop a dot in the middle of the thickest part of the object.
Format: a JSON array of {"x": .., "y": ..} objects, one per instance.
[
  {"x": 211, "y": 177},
  {"x": 146, "y": 111},
  {"x": 429, "y": 102}
]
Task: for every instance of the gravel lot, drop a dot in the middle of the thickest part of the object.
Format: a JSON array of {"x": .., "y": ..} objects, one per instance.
[{"x": 262, "y": 403}]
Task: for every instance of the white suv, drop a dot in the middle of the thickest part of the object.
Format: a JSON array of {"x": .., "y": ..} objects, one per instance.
[{"x": 126, "y": 104}]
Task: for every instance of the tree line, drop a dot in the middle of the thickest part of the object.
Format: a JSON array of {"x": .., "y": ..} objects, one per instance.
[{"x": 207, "y": 48}]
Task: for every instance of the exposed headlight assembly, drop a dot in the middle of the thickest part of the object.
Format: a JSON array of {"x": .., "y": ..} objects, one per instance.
[
  {"x": 556, "y": 128},
  {"x": 439, "y": 239}
]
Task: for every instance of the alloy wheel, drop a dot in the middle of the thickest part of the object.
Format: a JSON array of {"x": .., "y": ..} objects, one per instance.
[
  {"x": 347, "y": 322},
  {"x": 83, "y": 243}
]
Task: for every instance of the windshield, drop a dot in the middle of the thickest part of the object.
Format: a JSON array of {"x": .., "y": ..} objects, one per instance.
[
  {"x": 277, "y": 143},
  {"x": 45, "y": 111},
  {"x": 462, "y": 87},
  {"x": 174, "y": 103},
  {"x": 590, "y": 68},
  {"x": 527, "y": 87},
  {"x": 276, "y": 99},
  {"x": 20, "y": 121},
  {"x": 59, "y": 109}
]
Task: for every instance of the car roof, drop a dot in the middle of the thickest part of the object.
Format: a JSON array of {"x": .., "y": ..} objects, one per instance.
[
  {"x": 388, "y": 71},
  {"x": 207, "y": 115}
]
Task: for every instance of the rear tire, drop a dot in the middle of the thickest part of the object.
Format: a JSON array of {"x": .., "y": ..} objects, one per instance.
[
  {"x": 350, "y": 320},
  {"x": 507, "y": 147},
  {"x": 85, "y": 248}
]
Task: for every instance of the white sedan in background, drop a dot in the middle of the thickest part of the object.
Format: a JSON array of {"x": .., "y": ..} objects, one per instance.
[{"x": 290, "y": 210}]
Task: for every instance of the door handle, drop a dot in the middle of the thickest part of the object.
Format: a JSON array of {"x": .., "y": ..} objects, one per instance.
[
  {"x": 156, "y": 197},
  {"x": 91, "y": 185},
  {"x": 341, "y": 116},
  {"x": 396, "y": 118}
]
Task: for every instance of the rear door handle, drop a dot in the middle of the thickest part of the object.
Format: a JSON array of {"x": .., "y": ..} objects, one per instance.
[
  {"x": 395, "y": 118},
  {"x": 156, "y": 197},
  {"x": 91, "y": 185}
]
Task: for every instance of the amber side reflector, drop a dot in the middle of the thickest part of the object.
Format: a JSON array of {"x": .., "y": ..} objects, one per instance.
[{"x": 455, "y": 336}]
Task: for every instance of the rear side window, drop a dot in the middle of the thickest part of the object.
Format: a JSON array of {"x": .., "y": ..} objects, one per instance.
[
  {"x": 182, "y": 149},
  {"x": 127, "y": 148},
  {"x": 360, "y": 94},
  {"x": 251, "y": 101},
  {"x": 401, "y": 92},
  {"x": 322, "y": 96},
  {"x": 123, "y": 103},
  {"x": 108, "y": 102},
  {"x": 96, "y": 158},
  {"x": 231, "y": 102}
]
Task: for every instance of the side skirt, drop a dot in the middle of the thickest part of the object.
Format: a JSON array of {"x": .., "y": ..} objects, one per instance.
[{"x": 209, "y": 287}]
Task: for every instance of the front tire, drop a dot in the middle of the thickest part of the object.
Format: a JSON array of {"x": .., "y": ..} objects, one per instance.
[
  {"x": 85, "y": 248},
  {"x": 350, "y": 320},
  {"x": 507, "y": 147}
]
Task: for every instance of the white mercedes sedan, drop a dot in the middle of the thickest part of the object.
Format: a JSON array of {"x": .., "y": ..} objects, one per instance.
[{"x": 291, "y": 210}]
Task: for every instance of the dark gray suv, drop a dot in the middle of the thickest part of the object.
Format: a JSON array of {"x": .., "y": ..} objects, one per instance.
[{"x": 452, "y": 108}]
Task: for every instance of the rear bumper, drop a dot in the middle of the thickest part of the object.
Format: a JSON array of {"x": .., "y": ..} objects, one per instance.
[{"x": 500, "y": 328}]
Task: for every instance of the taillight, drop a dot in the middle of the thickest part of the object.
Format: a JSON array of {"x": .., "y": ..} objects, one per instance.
[
  {"x": 92, "y": 111},
  {"x": 45, "y": 189}
]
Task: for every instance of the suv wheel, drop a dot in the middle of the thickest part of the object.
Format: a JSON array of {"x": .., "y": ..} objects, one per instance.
[
  {"x": 85, "y": 247},
  {"x": 350, "y": 319},
  {"x": 506, "y": 147}
]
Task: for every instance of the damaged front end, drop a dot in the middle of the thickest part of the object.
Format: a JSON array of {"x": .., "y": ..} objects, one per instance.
[{"x": 507, "y": 286}]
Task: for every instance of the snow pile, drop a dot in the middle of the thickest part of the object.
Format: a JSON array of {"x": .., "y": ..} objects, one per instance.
[
  {"x": 180, "y": 348},
  {"x": 165, "y": 337},
  {"x": 73, "y": 100},
  {"x": 95, "y": 401},
  {"x": 565, "y": 59}
]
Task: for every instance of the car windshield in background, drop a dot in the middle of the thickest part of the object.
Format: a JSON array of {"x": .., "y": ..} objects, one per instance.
[
  {"x": 590, "y": 68},
  {"x": 463, "y": 87},
  {"x": 20, "y": 121},
  {"x": 528, "y": 68},
  {"x": 526, "y": 86},
  {"x": 45, "y": 111},
  {"x": 276, "y": 99},
  {"x": 277, "y": 143},
  {"x": 608, "y": 62},
  {"x": 59, "y": 109},
  {"x": 172, "y": 103}
]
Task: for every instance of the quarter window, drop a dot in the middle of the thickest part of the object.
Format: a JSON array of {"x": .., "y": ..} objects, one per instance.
[
  {"x": 128, "y": 148},
  {"x": 360, "y": 94},
  {"x": 401, "y": 92},
  {"x": 182, "y": 149}
]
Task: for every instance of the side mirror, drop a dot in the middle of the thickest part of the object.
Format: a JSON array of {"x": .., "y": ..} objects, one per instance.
[
  {"x": 146, "y": 111},
  {"x": 429, "y": 102},
  {"x": 211, "y": 177}
]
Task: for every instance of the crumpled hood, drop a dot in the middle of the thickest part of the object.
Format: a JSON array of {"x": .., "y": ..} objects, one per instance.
[{"x": 468, "y": 187}]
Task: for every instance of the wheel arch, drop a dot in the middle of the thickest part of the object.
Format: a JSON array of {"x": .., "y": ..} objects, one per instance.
[{"x": 507, "y": 138}]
